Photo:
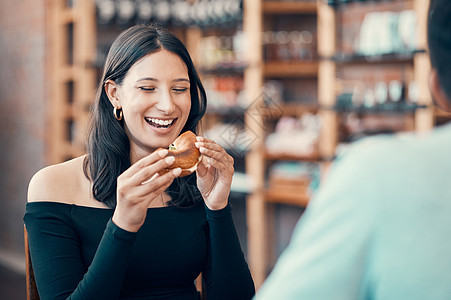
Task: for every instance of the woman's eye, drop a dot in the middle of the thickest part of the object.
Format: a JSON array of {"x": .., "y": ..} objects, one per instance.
[
  {"x": 180, "y": 90},
  {"x": 147, "y": 89}
]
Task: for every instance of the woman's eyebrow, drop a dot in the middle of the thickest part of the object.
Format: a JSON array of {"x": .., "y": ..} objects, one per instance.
[
  {"x": 181, "y": 79},
  {"x": 147, "y": 78},
  {"x": 154, "y": 79}
]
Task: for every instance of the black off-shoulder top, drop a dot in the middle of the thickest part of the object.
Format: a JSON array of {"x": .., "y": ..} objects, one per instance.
[{"x": 79, "y": 253}]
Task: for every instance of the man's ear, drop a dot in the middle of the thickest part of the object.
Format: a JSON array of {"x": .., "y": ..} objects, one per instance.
[
  {"x": 111, "y": 91},
  {"x": 437, "y": 92}
]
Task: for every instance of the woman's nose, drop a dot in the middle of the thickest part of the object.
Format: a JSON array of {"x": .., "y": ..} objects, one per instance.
[{"x": 165, "y": 103}]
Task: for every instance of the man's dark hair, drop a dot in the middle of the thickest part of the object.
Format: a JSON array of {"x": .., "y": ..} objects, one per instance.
[{"x": 439, "y": 40}]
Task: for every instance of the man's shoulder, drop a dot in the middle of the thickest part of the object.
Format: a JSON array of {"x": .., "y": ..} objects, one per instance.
[
  {"x": 400, "y": 148},
  {"x": 391, "y": 160},
  {"x": 374, "y": 150}
]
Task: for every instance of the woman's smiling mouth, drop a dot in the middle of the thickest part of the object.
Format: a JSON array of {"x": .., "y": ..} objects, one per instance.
[{"x": 160, "y": 123}]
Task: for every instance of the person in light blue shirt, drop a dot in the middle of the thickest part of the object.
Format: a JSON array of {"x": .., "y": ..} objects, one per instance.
[{"x": 379, "y": 227}]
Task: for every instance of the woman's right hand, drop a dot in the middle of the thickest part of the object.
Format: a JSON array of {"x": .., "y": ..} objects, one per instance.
[{"x": 138, "y": 186}]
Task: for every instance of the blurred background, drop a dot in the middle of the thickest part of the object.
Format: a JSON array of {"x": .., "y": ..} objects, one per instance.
[
  {"x": 24, "y": 95},
  {"x": 290, "y": 85}
]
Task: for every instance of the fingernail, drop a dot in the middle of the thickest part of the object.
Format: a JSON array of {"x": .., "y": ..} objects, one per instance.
[
  {"x": 199, "y": 138},
  {"x": 169, "y": 159},
  {"x": 177, "y": 171},
  {"x": 163, "y": 153}
]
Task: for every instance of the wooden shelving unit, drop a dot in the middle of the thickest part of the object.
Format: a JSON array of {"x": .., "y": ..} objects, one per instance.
[
  {"x": 324, "y": 71},
  {"x": 72, "y": 49},
  {"x": 287, "y": 110}
]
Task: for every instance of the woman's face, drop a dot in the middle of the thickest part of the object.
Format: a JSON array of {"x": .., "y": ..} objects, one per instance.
[{"x": 155, "y": 100}]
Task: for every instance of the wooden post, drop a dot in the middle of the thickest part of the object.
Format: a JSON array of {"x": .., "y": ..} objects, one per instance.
[
  {"x": 253, "y": 83},
  {"x": 32, "y": 290},
  {"x": 85, "y": 76},
  {"x": 326, "y": 79},
  {"x": 424, "y": 118},
  {"x": 192, "y": 38},
  {"x": 58, "y": 54}
]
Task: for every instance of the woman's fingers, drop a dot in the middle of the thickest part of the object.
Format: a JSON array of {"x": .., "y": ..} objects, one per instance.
[
  {"x": 204, "y": 142},
  {"x": 149, "y": 172},
  {"x": 214, "y": 174},
  {"x": 202, "y": 167},
  {"x": 130, "y": 183},
  {"x": 159, "y": 183},
  {"x": 146, "y": 161},
  {"x": 150, "y": 189},
  {"x": 215, "y": 155}
]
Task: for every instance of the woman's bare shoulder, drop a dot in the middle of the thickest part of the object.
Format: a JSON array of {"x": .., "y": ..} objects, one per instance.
[{"x": 64, "y": 182}]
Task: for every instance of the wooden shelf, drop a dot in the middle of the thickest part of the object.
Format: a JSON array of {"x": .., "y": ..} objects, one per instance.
[
  {"x": 275, "y": 112},
  {"x": 382, "y": 109},
  {"x": 308, "y": 158},
  {"x": 286, "y": 196},
  {"x": 268, "y": 112},
  {"x": 230, "y": 69},
  {"x": 289, "y": 7},
  {"x": 389, "y": 58},
  {"x": 291, "y": 69},
  {"x": 344, "y": 4},
  {"x": 226, "y": 111}
]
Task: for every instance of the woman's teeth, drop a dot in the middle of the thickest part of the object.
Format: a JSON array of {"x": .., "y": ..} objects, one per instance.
[{"x": 159, "y": 123}]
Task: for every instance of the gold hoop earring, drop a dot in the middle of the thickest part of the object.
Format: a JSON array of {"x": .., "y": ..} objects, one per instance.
[{"x": 115, "y": 111}]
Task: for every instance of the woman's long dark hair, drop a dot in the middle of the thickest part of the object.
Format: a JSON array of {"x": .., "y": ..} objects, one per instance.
[{"x": 108, "y": 146}]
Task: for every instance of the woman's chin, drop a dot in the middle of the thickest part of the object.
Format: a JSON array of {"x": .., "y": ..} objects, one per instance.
[{"x": 162, "y": 139}]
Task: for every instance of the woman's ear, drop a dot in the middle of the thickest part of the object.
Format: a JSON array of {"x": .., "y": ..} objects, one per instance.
[
  {"x": 111, "y": 91},
  {"x": 437, "y": 92}
]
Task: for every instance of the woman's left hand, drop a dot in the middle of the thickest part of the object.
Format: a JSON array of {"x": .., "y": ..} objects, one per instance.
[{"x": 214, "y": 173}]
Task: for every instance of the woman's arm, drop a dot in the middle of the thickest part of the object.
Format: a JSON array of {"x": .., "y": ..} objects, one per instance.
[{"x": 227, "y": 275}]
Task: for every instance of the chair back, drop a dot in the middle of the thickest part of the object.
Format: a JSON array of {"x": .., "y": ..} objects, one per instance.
[
  {"x": 200, "y": 286},
  {"x": 32, "y": 291}
]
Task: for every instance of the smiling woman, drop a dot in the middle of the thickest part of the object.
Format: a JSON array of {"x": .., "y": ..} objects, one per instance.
[
  {"x": 145, "y": 76},
  {"x": 110, "y": 224}
]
